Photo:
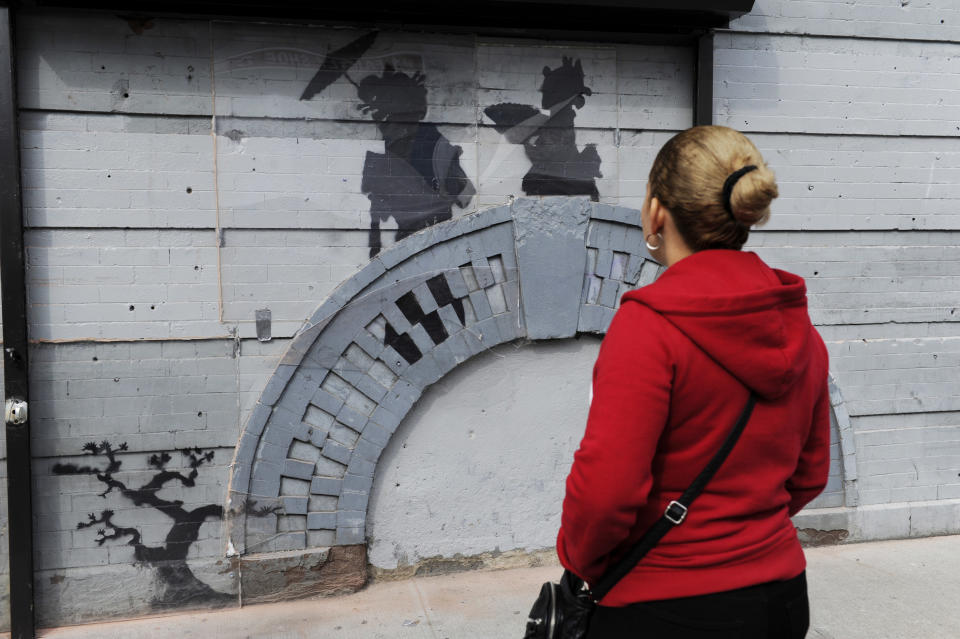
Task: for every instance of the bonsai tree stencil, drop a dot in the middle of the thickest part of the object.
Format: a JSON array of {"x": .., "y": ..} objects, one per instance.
[{"x": 176, "y": 583}]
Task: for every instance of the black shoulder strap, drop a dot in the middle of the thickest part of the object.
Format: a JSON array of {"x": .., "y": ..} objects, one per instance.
[{"x": 676, "y": 512}]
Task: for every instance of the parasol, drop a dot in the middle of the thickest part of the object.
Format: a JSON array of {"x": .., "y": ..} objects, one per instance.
[
  {"x": 516, "y": 121},
  {"x": 337, "y": 63}
]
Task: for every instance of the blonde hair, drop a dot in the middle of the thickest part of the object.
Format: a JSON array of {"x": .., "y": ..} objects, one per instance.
[{"x": 688, "y": 178}]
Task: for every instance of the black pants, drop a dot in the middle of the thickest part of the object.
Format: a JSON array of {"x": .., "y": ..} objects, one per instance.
[{"x": 774, "y": 610}]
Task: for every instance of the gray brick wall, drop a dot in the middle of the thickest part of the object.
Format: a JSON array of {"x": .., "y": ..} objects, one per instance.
[
  {"x": 126, "y": 179},
  {"x": 936, "y": 20},
  {"x": 863, "y": 146},
  {"x": 111, "y": 144},
  {"x": 155, "y": 397},
  {"x": 766, "y": 83}
]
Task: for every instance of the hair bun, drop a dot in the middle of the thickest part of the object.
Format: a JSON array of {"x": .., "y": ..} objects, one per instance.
[
  {"x": 751, "y": 196},
  {"x": 715, "y": 184}
]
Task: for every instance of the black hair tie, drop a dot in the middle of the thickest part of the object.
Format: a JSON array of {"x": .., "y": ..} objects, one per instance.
[{"x": 728, "y": 186}]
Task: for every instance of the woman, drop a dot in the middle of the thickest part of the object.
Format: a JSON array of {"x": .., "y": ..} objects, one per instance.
[{"x": 672, "y": 376}]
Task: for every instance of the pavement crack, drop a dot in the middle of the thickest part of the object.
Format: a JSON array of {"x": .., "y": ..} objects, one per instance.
[{"x": 423, "y": 607}]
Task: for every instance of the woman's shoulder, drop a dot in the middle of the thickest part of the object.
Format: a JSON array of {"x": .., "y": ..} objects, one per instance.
[
  {"x": 632, "y": 313},
  {"x": 636, "y": 325}
]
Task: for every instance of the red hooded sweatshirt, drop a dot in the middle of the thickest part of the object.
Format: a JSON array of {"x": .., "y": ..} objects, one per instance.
[{"x": 671, "y": 378}]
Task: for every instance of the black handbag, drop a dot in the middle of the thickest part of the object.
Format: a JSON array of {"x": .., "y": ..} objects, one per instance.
[{"x": 563, "y": 610}]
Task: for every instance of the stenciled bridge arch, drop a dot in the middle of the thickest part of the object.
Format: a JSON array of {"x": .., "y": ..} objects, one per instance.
[{"x": 543, "y": 268}]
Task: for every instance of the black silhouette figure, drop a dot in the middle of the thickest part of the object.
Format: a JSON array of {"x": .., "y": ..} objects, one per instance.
[
  {"x": 418, "y": 178},
  {"x": 559, "y": 167},
  {"x": 177, "y": 585}
]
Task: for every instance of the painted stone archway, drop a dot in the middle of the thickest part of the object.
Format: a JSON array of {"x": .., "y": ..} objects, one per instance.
[{"x": 536, "y": 269}]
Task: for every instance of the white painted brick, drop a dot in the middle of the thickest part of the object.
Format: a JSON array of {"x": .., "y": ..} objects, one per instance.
[
  {"x": 95, "y": 175},
  {"x": 256, "y": 76},
  {"x": 886, "y": 19},
  {"x": 874, "y": 277},
  {"x": 41, "y": 294},
  {"x": 185, "y": 274},
  {"x": 867, "y": 423},
  {"x": 843, "y": 182},
  {"x": 80, "y": 62},
  {"x": 815, "y": 86}
]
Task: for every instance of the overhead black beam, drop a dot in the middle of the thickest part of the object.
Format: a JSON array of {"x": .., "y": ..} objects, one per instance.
[
  {"x": 538, "y": 16},
  {"x": 729, "y": 7},
  {"x": 19, "y": 481}
]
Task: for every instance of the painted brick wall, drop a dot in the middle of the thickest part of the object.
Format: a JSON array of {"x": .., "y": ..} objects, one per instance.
[
  {"x": 851, "y": 104},
  {"x": 934, "y": 20},
  {"x": 99, "y": 161},
  {"x": 174, "y": 183}
]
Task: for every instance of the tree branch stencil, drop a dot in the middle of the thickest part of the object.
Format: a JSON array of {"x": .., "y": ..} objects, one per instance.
[{"x": 176, "y": 583}]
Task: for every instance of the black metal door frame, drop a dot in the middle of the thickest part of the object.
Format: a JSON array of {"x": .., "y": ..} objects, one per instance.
[{"x": 15, "y": 356}]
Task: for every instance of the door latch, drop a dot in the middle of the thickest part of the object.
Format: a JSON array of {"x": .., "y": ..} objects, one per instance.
[{"x": 15, "y": 411}]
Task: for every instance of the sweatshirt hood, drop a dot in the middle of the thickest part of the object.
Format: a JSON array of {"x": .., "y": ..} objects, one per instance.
[{"x": 749, "y": 318}]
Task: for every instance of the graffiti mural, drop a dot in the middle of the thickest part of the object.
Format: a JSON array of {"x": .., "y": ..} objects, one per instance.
[
  {"x": 176, "y": 583},
  {"x": 418, "y": 179},
  {"x": 559, "y": 166}
]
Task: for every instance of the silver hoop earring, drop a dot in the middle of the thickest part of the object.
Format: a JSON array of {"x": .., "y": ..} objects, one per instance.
[{"x": 651, "y": 247}]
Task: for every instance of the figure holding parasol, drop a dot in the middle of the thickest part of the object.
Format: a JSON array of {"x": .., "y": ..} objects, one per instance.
[{"x": 418, "y": 178}]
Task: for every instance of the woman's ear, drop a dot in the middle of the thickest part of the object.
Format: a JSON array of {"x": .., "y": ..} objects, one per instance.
[{"x": 657, "y": 215}]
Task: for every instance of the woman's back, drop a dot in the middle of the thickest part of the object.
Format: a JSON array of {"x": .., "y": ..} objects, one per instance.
[
  {"x": 685, "y": 350},
  {"x": 674, "y": 372}
]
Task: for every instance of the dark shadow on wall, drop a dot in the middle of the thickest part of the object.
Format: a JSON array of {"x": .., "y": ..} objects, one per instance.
[
  {"x": 177, "y": 585},
  {"x": 559, "y": 167}
]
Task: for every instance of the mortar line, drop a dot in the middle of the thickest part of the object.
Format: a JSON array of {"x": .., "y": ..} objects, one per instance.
[
  {"x": 216, "y": 175},
  {"x": 658, "y": 129},
  {"x": 478, "y": 116},
  {"x": 838, "y": 36}
]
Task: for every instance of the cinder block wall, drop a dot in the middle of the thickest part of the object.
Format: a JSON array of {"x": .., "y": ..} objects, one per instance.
[
  {"x": 174, "y": 183},
  {"x": 848, "y": 101}
]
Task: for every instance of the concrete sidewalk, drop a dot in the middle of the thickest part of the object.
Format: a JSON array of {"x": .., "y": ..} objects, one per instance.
[{"x": 882, "y": 590}]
